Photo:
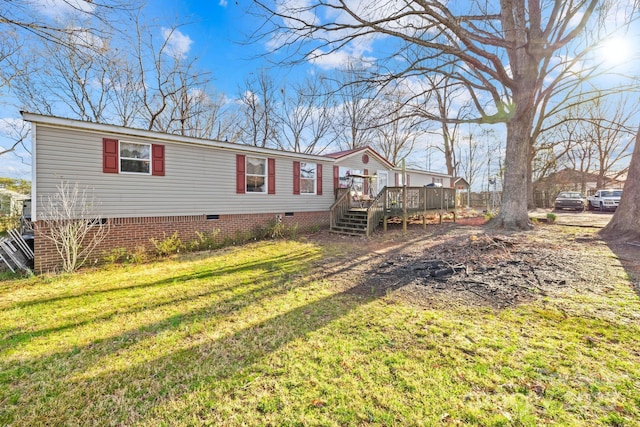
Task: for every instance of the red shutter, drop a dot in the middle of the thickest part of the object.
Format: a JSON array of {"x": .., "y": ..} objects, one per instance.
[
  {"x": 241, "y": 186},
  {"x": 366, "y": 182},
  {"x": 157, "y": 159},
  {"x": 296, "y": 177},
  {"x": 336, "y": 178},
  {"x": 408, "y": 180},
  {"x": 271, "y": 175},
  {"x": 319, "y": 179},
  {"x": 397, "y": 179},
  {"x": 109, "y": 155}
]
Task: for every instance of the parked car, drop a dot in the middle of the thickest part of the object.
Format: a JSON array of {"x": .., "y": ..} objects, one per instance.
[
  {"x": 570, "y": 200},
  {"x": 607, "y": 199}
]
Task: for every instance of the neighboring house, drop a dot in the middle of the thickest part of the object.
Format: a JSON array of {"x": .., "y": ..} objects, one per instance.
[
  {"x": 150, "y": 184},
  {"x": 11, "y": 202},
  {"x": 573, "y": 180},
  {"x": 546, "y": 189}
]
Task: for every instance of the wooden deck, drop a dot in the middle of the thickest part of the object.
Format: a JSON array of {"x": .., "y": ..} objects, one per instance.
[{"x": 393, "y": 202}]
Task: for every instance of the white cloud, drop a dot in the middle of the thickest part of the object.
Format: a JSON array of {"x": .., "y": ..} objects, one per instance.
[
  {"x": 62, "y": 10},
  {"x": 178, "y": 44},
  {"x": 223, "y": 3},
  {"x": 338, "y": 59}
]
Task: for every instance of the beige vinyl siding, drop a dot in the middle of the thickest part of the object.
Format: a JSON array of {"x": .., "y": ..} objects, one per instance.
[
  {"x": 421, "y": 178},
  {"x": 355, "y": 162},
  {"x": 198, "y": 179}
]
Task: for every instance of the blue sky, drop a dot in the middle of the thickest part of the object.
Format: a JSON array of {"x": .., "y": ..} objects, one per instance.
[
  {"x": 217, "y": 30},
  {"x": 216, "y": 33}
]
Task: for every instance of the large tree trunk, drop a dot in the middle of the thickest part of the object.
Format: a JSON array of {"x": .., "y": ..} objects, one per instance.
[
  {"x": 626, "y": 221},
  {"x": 513, "y": 212}
]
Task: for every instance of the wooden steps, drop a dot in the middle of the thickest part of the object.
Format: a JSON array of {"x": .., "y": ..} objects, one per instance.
[{"x": 352, "y": 223}]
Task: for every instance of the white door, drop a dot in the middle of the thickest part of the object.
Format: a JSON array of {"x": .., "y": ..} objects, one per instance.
[{"x": 381, "y": 182}]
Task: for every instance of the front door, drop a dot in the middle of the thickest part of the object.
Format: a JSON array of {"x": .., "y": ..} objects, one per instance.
[{"x": 382, "y": 181}]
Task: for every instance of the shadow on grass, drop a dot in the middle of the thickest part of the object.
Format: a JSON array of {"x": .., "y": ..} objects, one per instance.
[
  {"x": 628, "y": 253},
  {"x": 273, "y": 273},
  {"x": 61, "y": 389},
  {"x": 180, "y": 278}
]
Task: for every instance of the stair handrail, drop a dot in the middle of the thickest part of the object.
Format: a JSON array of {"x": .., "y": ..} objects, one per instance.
[
  {"x": 375, "y": 211},
  {"x": 340, "y": 206}
]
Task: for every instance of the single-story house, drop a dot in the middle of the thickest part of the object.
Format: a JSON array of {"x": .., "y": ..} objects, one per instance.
[
  {"x": 546, "y": 189},
  {"x": 150, "y": 184},
  {"x": 11, "y": 202}
]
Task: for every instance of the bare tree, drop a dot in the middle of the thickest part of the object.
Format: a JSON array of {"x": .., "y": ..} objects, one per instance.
[
  {"x": 306, "y": 117},
  {"x": 49, "y": 23},
  {"x": 166, "y": 78},
  {"x": 609, "y": 134},
  {"x": 626, "y": 221},
  {"x": 503, "y": 54},
  {"x": 470, "y": 153},
  {"x": 69, "y": 76},
  {"x": 68, "y": 219},
  {"x": 355, "y": 118},
  {"x": 447, "y": 98},
  {"x": 258, "y": 105},
  {"x": 19, "y": 132},
  {"x": 397, "y": 130},
  {"x": 214, "y": 116}
]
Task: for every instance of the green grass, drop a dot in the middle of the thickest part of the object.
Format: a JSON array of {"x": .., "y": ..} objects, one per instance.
[{"x": 260, "y": 335}]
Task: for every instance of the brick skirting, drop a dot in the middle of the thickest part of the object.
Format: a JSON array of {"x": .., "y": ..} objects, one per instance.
[{"x": 134, "y": 233}]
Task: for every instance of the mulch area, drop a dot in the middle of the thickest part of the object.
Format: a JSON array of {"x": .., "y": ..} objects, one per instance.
[{"x": 464, "y": 263}]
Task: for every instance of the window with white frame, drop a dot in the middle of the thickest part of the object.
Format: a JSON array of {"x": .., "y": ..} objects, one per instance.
[
  {"x": 436, "y": 180},
  {"x": 135, "y": 158},
  {"x": 256, "y": 175},
  {"x": 308, "y": 174}
]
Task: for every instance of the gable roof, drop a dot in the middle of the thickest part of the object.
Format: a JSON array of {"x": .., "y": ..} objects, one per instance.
[
  {"x": 339, "y": 155},
  {"x": 458, "y": 180}
]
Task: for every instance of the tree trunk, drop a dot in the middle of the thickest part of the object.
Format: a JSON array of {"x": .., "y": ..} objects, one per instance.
[
  {"x": 531, "y": 204},
  {"x": 626, "y": 221},
  {"x": 513, "y": 212}
]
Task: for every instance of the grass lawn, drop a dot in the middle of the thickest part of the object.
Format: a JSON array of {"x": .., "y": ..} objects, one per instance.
[{"x": 262, "y": 335}]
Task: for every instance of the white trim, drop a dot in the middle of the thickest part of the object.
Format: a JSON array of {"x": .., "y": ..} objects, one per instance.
[
  {"x": 101, "y": 129},
  {"x": 315, "y": 179},
  {"x": 33, "y": 173},
  {"x": 266, "y": 175},
  {"x": 120, "y": 171},
  {"x": 441, "y": 174}
]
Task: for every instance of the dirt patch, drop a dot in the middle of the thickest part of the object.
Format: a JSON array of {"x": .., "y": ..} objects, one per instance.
[{"x": 457, "y": 263}]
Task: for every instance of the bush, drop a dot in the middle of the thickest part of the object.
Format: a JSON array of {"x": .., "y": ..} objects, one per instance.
[
  {"x": 551, "y": 217},
  {"x": 205, "y": 241},
  {"x": 168, "y": 245},
  {"x": 116, "y": 255},
  {"x": 9, "y": 222}
]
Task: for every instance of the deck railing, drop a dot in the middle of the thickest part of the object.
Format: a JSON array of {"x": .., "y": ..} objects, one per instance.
[
  {"x": 391, "y": 201},
  {"x": 419, "y": 199}
]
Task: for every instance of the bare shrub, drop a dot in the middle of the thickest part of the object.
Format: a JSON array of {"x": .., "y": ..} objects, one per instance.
[{"x": 72, "y": 224}]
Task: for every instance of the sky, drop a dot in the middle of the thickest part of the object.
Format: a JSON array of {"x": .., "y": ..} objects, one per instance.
[{"x": 216, "y": 32}]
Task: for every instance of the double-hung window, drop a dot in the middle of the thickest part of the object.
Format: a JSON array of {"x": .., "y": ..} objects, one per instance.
[
  {"x": 256, "y": 175},
  {"x": 135, "y": 157},
  {"x": 308, "y": 178},
  {"x": 132, "y": 157}
]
